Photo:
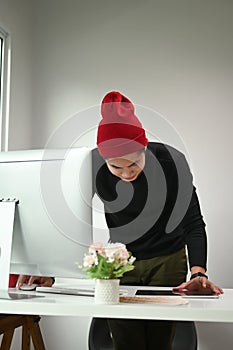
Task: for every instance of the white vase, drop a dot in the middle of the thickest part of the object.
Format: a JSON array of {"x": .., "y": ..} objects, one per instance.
[{"x": 107, "y": 291}]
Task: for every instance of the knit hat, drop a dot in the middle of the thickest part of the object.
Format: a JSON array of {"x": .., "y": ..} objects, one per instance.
[{"x": 119, "y": 132}]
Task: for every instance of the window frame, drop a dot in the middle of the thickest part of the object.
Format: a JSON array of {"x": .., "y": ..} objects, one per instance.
[{"x": 4, "y": 88}]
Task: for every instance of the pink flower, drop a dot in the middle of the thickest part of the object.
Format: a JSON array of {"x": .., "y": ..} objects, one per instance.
[
  {"x": 109, "y": 261},
  {"x": 97, "y": 248},
  {"x": 117, "y": 252},
  {"x": 89, "y": 260}
]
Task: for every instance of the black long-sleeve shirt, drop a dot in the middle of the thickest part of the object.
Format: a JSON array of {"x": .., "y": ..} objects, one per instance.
[{"x": 158, "y": 213}]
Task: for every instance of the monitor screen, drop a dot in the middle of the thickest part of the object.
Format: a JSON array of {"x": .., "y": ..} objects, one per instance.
[{"x": 53, "y": 217}]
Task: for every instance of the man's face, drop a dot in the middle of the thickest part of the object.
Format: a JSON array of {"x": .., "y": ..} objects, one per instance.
[{"x": 128, "y": 167}]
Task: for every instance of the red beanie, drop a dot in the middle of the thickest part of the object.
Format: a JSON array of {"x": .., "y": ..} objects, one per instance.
[{"x": 119, "y": 132}]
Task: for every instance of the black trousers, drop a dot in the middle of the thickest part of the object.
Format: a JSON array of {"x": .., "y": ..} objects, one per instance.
[{"x": 169, "y": 270}]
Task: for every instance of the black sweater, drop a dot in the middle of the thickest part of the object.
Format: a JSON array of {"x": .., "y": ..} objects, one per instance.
[{"x": 158, "y": 213}]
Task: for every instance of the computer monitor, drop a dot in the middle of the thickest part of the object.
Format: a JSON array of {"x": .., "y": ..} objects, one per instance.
[{"x": 53, "y": 217}]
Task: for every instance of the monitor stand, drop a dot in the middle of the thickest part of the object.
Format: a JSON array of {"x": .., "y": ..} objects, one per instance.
[{"x": 7, "y": 215}]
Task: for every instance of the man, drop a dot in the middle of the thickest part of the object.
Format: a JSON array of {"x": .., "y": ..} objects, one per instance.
[{"x": 150, "y": 205}]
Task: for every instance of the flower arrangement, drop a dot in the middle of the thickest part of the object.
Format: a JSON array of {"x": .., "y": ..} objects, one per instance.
[{"x": 108, "y": 261}]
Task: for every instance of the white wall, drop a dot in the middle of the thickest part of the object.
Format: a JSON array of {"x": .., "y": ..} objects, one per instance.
[
  {"x": 175, "y": 57},
  {"x": 16, "y": 19}
]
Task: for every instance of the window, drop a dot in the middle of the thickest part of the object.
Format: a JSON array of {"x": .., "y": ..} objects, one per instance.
[{"x": 4, "y": 88}]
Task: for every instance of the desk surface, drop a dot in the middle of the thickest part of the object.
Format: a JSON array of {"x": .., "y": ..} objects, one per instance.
[{"x": 215, "y": 310}]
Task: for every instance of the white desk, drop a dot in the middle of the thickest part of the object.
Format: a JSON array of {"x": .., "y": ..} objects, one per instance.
[{"x": 217, "y": 310}]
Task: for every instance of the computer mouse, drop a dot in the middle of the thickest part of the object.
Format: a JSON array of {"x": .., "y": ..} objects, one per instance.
[{"x": 27, "y": 287}]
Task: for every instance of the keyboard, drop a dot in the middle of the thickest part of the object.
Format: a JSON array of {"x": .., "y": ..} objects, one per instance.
[{"x": 67, "y": 291}]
